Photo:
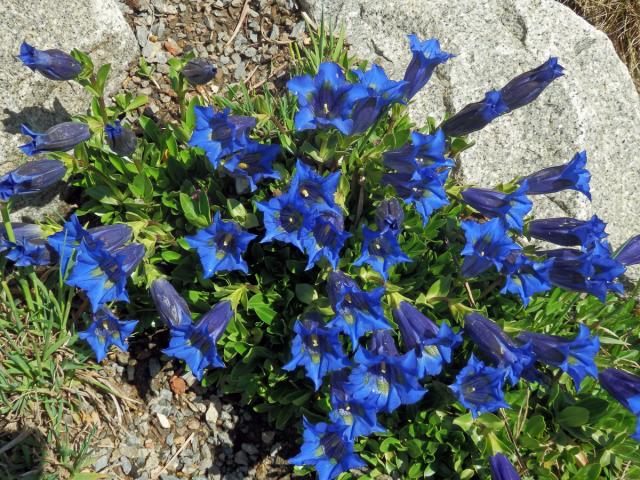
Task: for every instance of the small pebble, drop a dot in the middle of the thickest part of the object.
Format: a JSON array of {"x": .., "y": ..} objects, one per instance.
[{"x": 163, "y": 420}]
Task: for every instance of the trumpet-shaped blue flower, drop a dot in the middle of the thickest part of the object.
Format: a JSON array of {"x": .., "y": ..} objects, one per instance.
[
  {"x": 286, "y": 220},
  {"x": 510, "y": 208},
  {"x": 381, "y": 93},
  {"x": 568, "y": 231},
  {"x": 359, "y": 418},
  {"x": 59, "y": 138},
  {"x": 526, "y": 277},
  {"x": 120, "y": 139},
  {"x": 426, "y": 57},
  {"x": 475, "y": 116},
  {"x": 199, "y": 71},
  {"x": 629, "y": 253},
  {"x": 67, "y": 241},
  {"x": 172, "y": 308},
  {"x": 527, "y": 86},
  {"x": 326, "y": 239},
  {"x": 29, "y": 248},
  {"x": 389, "y": 216},
  {"x": 625, "y": 388},
  {"x": 423, "y": 151},
  {"x": 384, "y": 379},
  {"x": 501, "y": 468},
  {"x": 196, "y": 343},
  {"x": 107, "y": 330},
  {"x": 327, "y": 448},
  {"x": 487, "y": 245},
  {"x": 314, "y": 190},
  {"x": 381, "y": 251},
  {"x": 479, "y": 387},
  {"x": 433, "y": 345},
  {"x": 53, "y": 64},
  {"x": 317, "y": 348},
  {"x": 576, "y": 357},
  {"x": 253, "y": 163},
  {"x": 424, "y": 189},
  {"x": 325, "y": 100},
  {"x": 357, "y": 312},
  {"x": 219, "y": 133},
  {"x": 32, "y": 177},
  {"x": 499, "y": 347},
  {"x": 221, "y": 246},
  {"x": 103, "y": 274},
  {"x": 572, "y": 176}
]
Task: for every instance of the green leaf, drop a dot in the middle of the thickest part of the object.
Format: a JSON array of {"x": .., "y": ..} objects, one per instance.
[
  {"x": 306, "y": 293},
  {"x": 137, "y": 102},
  {"x": 573, "y": 416},
  {"x": 101, "y": 78},
  {"x": 258, "y": 304},
  {"x": 189, "y": 211}
]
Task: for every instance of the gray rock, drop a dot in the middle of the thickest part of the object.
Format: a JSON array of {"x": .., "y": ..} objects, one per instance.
[
  {"x": 125, "y": 465},
  {"x": 241, "y": 458},
  {"x": 101, "y": 463},
  {"x": 594, "y": 107},
  {"x": 211, "y": 416},
  {"x": 93, "y": 26}
]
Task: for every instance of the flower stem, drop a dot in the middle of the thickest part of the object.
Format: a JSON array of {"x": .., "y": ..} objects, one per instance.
[{"x": 4, "y": 208}]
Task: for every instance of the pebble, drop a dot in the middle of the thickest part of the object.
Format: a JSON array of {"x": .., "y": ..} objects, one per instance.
[
  {"x": 211, "y": 417},
  {"x": 163, "y": 420},
  {"x": 267, "y": 437},
  {"x": 101, "y": 463},
  {"x": 125, "y": 465},
  {"x": 250, "y": 449},
  {"x": 241, "y": 458}
]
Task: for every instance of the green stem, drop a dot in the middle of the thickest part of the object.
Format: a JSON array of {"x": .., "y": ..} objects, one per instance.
[{"x": 4, "y": 208}]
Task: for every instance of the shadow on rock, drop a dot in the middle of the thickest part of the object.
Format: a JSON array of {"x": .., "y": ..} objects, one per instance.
[{"x": 38, "y": 118}]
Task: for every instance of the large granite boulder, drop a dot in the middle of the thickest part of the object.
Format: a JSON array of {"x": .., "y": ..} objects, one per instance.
[
  {"x": 594, "y": 107},
  {"x": 94, "y": 26}
]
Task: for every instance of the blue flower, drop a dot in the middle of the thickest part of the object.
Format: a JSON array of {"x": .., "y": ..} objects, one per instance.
[
  {"x": 383, "y": 379},
  {"x": 629, "y": 253},
  {"x": 359, "y": 418},
  {"x": 426, "y": 57},
  {"x": 501, "y": 468},
  {"x": 499, "y": 347},
  {"x": 312, "y": 189},
  {"x": 220, "y": 246},
  {"x": 510, "y": 208},
  {"x": 487, "y": 245},
  {"x": 479, "y": 387},
  {"x": 317, "y": 348},
  {"x": 325, "y": 239},
  {"x": 573, "y": 176},
  {"x": 252, "y": 164},
  {"x": 526, "y": 277},
  {"x": 218, "y": 133},
  {"x": 357, "y": 312},
  {"x": 67, "y": 241},
  {"x": 424, "y": 189},
  {"x": 32, "y": 177},
  {"x": 53, "y": 64},
  {"x": 172, "y": 308},
  {"x": 196, "y": 343},
  {"x": 423, "y": 151},
  {"x": 107, "y": 330},
  {"x": 102, "y": 274},
  {"x": 120, "y": 139},
  {"x": 327, "y": 448},
  {"x": 527, "y": 86},
  {"x": 286, "y": 220},
  {"x": 199, "y": 71},
  {"x": 29, "y": 248},
  {"x": 325, "y": 100},
  {"x": 380, "y": 250},
  {"x": 59, "y": 138},
  {"x": 576, "y": 357},
  {"x": 568, "y": 231},
  {"x": 433, "y": 345},
  {"x": 475, "y": 116},
  {"x": 625, "y": 388},
  {"x": 381, "y": 93},
  {"x": 389, "y": 216}
]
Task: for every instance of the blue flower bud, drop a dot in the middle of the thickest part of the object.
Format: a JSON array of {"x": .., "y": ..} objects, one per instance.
[
  {"x": 53, "y": 64},
  {"x": 59, "y": 138},
  {"x": 426, "y": 57},
  {"x": 526, "y": 87},
  {"x": 120, "y": 139},
  {"x": 573, "y": 176},
  {"x": 32, "y": 177},
  {"x": 389, "y": 216},
  {"x": 475, "y": 116},
  {"x": 29, "y": 248},
  {"x": 568, "y": 232},
  {"x": 625, "y": 388},
  {"x": 510, "y": 208},
  {"x": 629, "y": 253},
  {"x": 501, "y": 468},
  {"x": 172, "y": 308},
  {"x": 199, "y": 71}
]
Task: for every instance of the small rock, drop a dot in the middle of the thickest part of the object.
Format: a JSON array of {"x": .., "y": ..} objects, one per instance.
[
  {"x": 101, "y": 463},
  {"x": 152, "y": 462},
  {"x": 211, "y": 416},
  {"x": 249, "y": 448},
  {"x": 163, "y": 420},
  {"x": 142, "y": 35},
  {"x": 267, "y": 437},
  {"x": 172, "y": 47},
  {"x": 125, "y": 465},
  {"x": 241, "y": 458},
  {"x": 298, "y": 30},
  {"x": 249, "y": 52},
  {"x": 193, "y": 424}
]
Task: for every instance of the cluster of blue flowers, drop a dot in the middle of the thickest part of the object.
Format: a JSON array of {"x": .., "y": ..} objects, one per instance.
[{"x": 356, "y": 351}]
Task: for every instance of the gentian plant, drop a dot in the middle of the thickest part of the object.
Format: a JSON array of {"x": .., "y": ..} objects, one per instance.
[{"x": 311, "y": 252}]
